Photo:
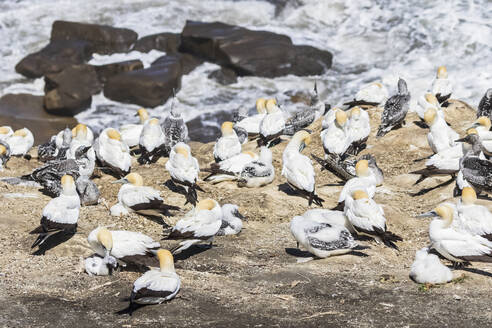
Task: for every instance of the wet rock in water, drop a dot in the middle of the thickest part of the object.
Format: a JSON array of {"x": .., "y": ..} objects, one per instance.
[
  {"x": 204, "y": 128},
  {"x": 167, "y": 42},
  {"x": 25, "y": 110},
  {"x": 224, "y": 76},
  {"x": 70, "y": 91},
  {"x": 54, "y": 57},
  {"x": 248, "y": 52},
  {"x": 188, "y": 62},
  {"x": 103, "y": 39},
  {"x": 104, "y": 72}
]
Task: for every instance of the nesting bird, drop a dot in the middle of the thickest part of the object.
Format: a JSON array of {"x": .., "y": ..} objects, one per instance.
[
  {"x": 152, "y": 142},
  {"x": 259, "y": 172},
  {"x": 365, "y": 180},
  {"x": 395, "y": 110},
  {"x": 113, "y": 153},
  {"x": 427, "y": 101},
  {"x": 230, "y": 168},
  {"x": 130, "y": 133},
  {"x": 199, "y": 225},
  {"x": 5, "y": 132},
  {"x": 336, "y": 139},
  {"x": 427, "y": 269},
  {"x": 184, "y": 169},
  {"x": 252, "y": 123},
  {"x": 61, "y": 214},
  {"x": 135, "y": 197},
  {"x": 372, "y": 94},
  {"x": 232, "y": 220},
  {"x": 272, "y": 126},
  {"x": 442, "y": 87},
  {"x": 298, "y": 169},
  {"x": 20, "y": 142},
  {"x": 228, "y": 144}
]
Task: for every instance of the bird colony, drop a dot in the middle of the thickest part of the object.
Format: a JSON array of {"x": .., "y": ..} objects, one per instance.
[{"x": 459, "y": 232}]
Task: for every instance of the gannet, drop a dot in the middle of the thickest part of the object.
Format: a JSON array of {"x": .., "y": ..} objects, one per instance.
[
  {"x": 259, "y": 172},
  {"x": 135, "y": 197},
  {"x": 5, "y": 132},
  {"x": 272, "y": 126},
  {"x": 232, "y": 220},
  {"x": 200, "y": 224},
  {"x": 123, "y": 247},
  {"x": 95, "y": 266},
  {"x": 230, "y": 168},
  {"x": 81, "y": 149},
  {"x": 442, "y": 86},
  {"x": 87, "y": 134},
  {"x": 152, "y": 142},
  {"x": 358, "y": 129},
  {"x": 228, "y": 144},
  {"x": 130, "y": 133},
  {"x": 336, "y": 138},
  {"x": 88, "y": 191},
  {"x": 252, "y": 123},
  {"x": 483, "y": 127},
  {"x": 323, "y": 215},
  {"x": 456, "y": 245},
  {"x": 175, "y": 128},
  {"x": 365, "y": 180},
  {"x": 241, "y": 133},
  {"x": 367, "y": 218},
  {"x": 56, "y": 147},
  {"x": 184, "y": 169},
  {"x": 485, "y": 105},
  {"x": 321, "y": 239},
  {"x": 303, "y": 118},
  {"x": 395, "y": 110},
  {"x": 428, "y": 100},
  {"x": 473, "y": 218},
  {"x": 20, "y": 142},
  {"x": 427, "y": 269},
  {"x": 372, "y": 94},
  {"x": 329, "y": 117},
  {"x": 156, "y": 285},
  {"x": 60, "y": 214},
  {"x": 298, "y": 169},
  {"x": 112, "y": 152},
  {"x": 4, "y": 154},
  {"x": 440, "y": 136}
]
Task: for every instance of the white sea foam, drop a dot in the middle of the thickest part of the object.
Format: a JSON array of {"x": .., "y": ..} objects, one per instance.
[{"x": 371, "y": 40}]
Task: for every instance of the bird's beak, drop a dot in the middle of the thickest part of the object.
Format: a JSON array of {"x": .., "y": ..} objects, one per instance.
[
  {"x": 136, "y": 114},
  {"x": 461, "y": 140},
  {"x": 430, "y": 214},
  {"x": 122, "y": 181},
  {"x": 302, "y": 146}
]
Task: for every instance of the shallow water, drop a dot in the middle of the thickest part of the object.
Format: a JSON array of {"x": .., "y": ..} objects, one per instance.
[{"x": 371, "y": 40}]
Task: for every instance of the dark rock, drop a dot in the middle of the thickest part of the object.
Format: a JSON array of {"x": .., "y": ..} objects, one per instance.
[
  {"x": 200, "y": 130},
  {"x": 104, "y": 39},
  {"x": 167, "y": 42},
  {"x": 70, "y": 91},
  {"x": 25, "y": 110},
  {"x": 224, "y": 76},
  {"x": 148, "y": 87},
  {"x": 188, "y": 62},
  {"x": 54, "y": 57},
  {"x": 104, "y": 72},
  {"x": 250, "y": 52}
]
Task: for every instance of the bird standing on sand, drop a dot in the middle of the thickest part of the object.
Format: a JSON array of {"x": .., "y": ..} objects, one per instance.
[
  {"x": 367, "y": 218},
  {"x": 113, "y": 153},
  {"x": 135, "y": 197},
  {"x": 395, "y": 110},
  {"x": 60, "y": 214},
  {"x": 336, "y": 139},
  {"x": 259, "y": 172},
  {"x": 20, "y": 142},
  {"x": 298, "y": 169},
  {"x": 156, "y": 285},
  {"x": 442, "y": 87},
  {"x": 152, "y": 142},
  {"x": 272, "y": 126},
  {"x": 485, "y": 105},
  {"x": 321, "y": 239},
  {"x": 199, "y": 225},
  {"x": 184, "y": 169},
  {"x": 130, "y": 133},
  {"x": 228, "y": 144}
]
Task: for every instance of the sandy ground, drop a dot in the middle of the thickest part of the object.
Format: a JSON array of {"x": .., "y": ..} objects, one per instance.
[{"x": 256, "y": 279}]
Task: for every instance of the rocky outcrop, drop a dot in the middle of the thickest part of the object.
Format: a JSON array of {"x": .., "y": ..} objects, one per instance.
[
  {"x": 224, "y": 76},
  {"x": 70, "y": 92},
  {"x": 104, "y": 72},
  {"x": 248, "y": 52},
  {"x": 103, "y": 39},
  {"x": 25, "y": 110},
  {"x": 54, "y": 58},
  {"x": 167, "y": 42}
]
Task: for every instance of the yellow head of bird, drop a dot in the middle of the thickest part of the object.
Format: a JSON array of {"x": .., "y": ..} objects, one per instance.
[
  {"x": 20, "y": 133},
  {"x": 166, "y": 260},
  {"x": 154, "y": 121},
  {"x": 431, "y": 99},
  {"x": 362, "y": 168},
  {"x": 355, "y": 111},
  {"x": 430, "y": 115},
  {"x": 227, "y": 128},
  {"x": 206, "y": 204},
  {"x": 134, "y": 179},
  {"x": 341, "y": 117},
  {"x": 67, "y": 182},
  {"x": 445, "y": 212},
  {"x": 271, "y": 105},
  {"x": 360, "y": 194},
  {"x": 485, "y": 122},
  {"x": 468, "y": 196},
  {"x": 3, "y": 150},
  {"x": 143, "y": 115},
  {"x": 113, "y": 134},
  {"x": 250, "y": 153},
  {"x": 442, "y": 72},
  {"x": 181, "y": 150},
  {"x": 303, "y": 136},
  {"x": 471, "y": 131},
  {"x": 261, "y": 105},
  {"x": 4, "y": 129},
  {"x": 105, "y": 238},
  {"x": 80, "y": 130}
]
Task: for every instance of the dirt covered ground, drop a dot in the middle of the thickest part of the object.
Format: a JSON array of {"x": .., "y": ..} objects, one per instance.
[{"x": 256, "y": 279}]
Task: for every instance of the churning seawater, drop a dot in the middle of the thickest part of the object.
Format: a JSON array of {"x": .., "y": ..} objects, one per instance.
[{"x": 371, "y": 40}]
